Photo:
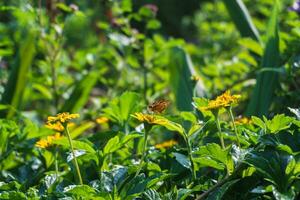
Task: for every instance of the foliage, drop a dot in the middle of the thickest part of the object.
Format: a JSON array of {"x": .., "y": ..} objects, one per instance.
[{"x": 103, "y": 64}]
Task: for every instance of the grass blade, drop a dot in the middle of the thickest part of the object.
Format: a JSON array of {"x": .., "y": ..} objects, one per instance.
[
  {"x": 241, "y": 18},
  {"x": 181, "y": 70},
  {"x": 14, "y": 89},
  {"x": 80, "y": 94},
  {"x": 267, "y": 81}
]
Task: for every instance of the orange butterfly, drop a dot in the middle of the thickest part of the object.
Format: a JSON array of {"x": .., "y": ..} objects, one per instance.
[{"x": 159, "y": 106}]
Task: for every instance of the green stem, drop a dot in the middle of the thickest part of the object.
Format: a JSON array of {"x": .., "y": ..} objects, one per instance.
[
  {"x": 189, "y": 147},
  {"x": 74, "y": 156},
  {"x": 143, "y": 151},
  {"x": 219, "y": 131},
  {"x": 56, "y": 163},
  {"x": 145, "y": 84},
  {"x": 234, "y": 126}
]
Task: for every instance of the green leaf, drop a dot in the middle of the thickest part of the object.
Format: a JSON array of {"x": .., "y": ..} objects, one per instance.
[
  {"x": 273, "y": 165},
  {"x": 151, "y": 195},
  {"x": 120, "y": 108},
  {"x": 266, "y": 83},
  {"x": 80, "y": 93},
  {"x": 219, "y": 157},
  {"x": 134, "y": 187},
  {"x": 252, "y": 45},
  {"x": 208, "y": 162},
  {"x": 183, "y": 160},
  {"x": 112, "y": 145},
  {"x": 241, "y": 18},
  {"x": 8, "y": 129},
  {"x": 79, "y": 145},
  {"x": 13, "y": 195},
  {"x": 128, "y": 104},
  {"x": 220, "y": 192},
  {"x": 82, "y": 191},
  {"x": 181, "y": 70},
  {"x": 81, "y": 129},
  {"x": 48, "y": 157},
  {"x": 257, "y": 121},
  {"x": 278, "y": 123},
  {"x": 16, "y": 84}
]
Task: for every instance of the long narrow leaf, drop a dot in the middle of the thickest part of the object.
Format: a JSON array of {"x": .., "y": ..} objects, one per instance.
[
  {"x": 241, "y": 18},
  {"x": 81, "y": 93},
  {"x": 18, "y": 76},
  {"x": 267, "y": 81},
  {"x": 181, "y": 70}
]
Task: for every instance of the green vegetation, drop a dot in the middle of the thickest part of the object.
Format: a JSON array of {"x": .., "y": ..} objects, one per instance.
[{"x": 136, "y": 99}]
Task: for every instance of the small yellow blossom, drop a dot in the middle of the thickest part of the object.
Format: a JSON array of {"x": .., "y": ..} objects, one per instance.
[
  {"x": 166, "y": 144},
  {"x": 243, "y": 120},
  {"x": 102, "y": 120},
  {"x": 62, "y": 117},
  {"x": 56, "y": 122},
  {"x": 222, "y": 101},
  {"x": 57, "y": 126},
  {"x": 150, "y": 119},
  {"x": 47, "y": 142}
]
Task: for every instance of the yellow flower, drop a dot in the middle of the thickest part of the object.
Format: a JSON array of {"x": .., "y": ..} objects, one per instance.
[
  {"x": 166, "y": 144},
  {"x": 57, "y": 126},
  {"x": 243, "y": 120},
  {"x": 62, "y": 117},
  {"x": 150, "y": 119},
  {"x": 47, "y": 142},
  {"x": 102, "y": 120},
  {"x": 222, "y": 101},
  {"x": 227, "y": 98},
  {"x": 56, "y": 122},
  {"x": 43, "y": 143}
]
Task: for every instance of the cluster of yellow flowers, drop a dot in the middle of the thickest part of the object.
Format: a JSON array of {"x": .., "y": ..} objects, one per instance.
[
  {"x": 56, "y": 122},
  {"x": 222, "y": 101},
  {"x": 47, "y": 142},
  {"x": 62, "y": 117},
  {"x": 166, "y": 144}
]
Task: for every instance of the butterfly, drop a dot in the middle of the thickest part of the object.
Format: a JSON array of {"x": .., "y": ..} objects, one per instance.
[{"x": 159, "y": 106}]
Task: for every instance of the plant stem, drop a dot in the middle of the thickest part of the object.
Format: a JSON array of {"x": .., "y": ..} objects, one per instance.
[
  {"x": 56, "y": 163},
  {"x": 145, "y": 83},
  {"x": 143, "y": 151},
  {"x": 74, "y": 156},
  {"x": 219, "y": 131},
  {"x": 189, "y": 147},
  {"x": 234, "y": 126}
]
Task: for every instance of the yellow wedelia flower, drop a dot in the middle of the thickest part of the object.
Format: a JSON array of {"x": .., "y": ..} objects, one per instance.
[
  {"x": 62, "y": 117},
  {"x": 159, "y": 120},
  {"x": 150, "y": 119},
  {"x": 57, "y": 126},
  {"x": 102, "y": 120},
  {"x": 222, "y": 101},
  {"x": 243, "y": 120},
  {"x": 56, "y": 122},
  {"x": 166, "y": 144},
  {"x": 47, "y": 142}
]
